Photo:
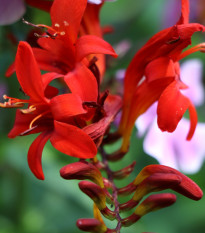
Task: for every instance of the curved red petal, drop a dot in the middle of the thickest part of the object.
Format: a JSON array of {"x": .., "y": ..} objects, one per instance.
[
  {"x": 96, "y": 131},
  {"x": 171, "y": 107},
  {"x": 28, "y": 72},
  {"x": 193, "y": 121},
  {"x": 35, "y": 154},
  {"x": 184, "y": 19},
  {"x": 48, "y": 77},
  {"x": 61, "y": 51},
  {"x": 21, "y": 123},
  {"x": 66, "y": 16},
  {"x": 82, "y": 82},
  {"x": 90, "y": 44},
  {"x": 162, "y": 67},
  {"x": 65, "y": 106},
  {"x": 72, "y": 141},
  {"x": 10, "y": 70},
  {"x": 46, "y": 61}
]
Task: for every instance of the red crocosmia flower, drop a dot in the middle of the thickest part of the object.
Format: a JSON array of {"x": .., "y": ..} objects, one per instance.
[
  {"x": 60, "y": 48},
  {"x": 57, "y": 117},
  {"x": 154, "y": 75}
]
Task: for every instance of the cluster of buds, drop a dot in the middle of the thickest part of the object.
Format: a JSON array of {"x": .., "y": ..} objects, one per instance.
[
  {"x": 76, "y": 116},
  {"x": 152, "y": 178}
]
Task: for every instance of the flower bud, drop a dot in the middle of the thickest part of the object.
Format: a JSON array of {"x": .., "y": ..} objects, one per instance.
[
  {"x": 185, "y": 187},
  {"x": 124, "y": 172},
  {"x": 91, "y": 225},
  {"x": 97, "y": 194},
  {"x": 156, "y": 182},
  {"x": 127, "y": 190},
  {"x": 82, "y": 170},
  {"x": 152, "y": 203},
  {"x": 155, "y": 202},
  {"x": 116, "y": 156}
]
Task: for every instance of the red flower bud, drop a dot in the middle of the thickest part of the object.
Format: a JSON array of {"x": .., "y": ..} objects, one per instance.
[
  {"x": 122, "y": 173},
  {"x": 97, "y": 194},
  {"x": 82, "y": 170},
  {"x": 156, "y": 182},
  {"x": 91, "y": 225},
  {"x": 186, "y": 187},
  {"x": 155, "y": 202}
]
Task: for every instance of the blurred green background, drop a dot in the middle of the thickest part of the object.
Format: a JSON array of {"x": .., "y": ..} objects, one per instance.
[{"x": 28, "y": 205}]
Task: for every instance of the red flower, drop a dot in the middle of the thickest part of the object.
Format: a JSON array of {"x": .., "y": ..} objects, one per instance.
[
  {"x": 60, "y": 118},
  {"x": 157, "y": 61},
  {"x": 61, "y": 49}
]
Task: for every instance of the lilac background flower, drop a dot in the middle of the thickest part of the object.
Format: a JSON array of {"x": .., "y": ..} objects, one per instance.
[
  {"x": 172, "y": 11},
  {"x": 11, "y": 11},
  {"x": 172, "y": 149},
  {"x": 99, "y": 1}
]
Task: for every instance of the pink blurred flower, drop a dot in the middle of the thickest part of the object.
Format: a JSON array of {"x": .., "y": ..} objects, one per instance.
[
  {"x": 99, "y": 1},
  {"x": 172, "y": 149},
  {"x": 11, "y": 11}
]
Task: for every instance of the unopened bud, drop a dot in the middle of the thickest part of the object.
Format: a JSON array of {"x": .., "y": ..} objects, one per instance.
[
  {"x": 122, "y": 173},
  {"x": 97, "y": 194},
  {"x": 156, "y": 182},
  {"x": 186, "y": 186},
  {"x": 155, "y": 202},
  {"x": 116, "y": 156},
  {"x": 82, "y": 170},
  {"x": 127, "y": 190},
  {"x": 91, "y": 225},
  {"x": 126, "y": 222}
]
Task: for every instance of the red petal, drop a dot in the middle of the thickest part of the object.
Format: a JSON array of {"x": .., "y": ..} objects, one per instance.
[
  {"x": 41, "y": 4},
  {"x": 193, "y": 121},
  {"x": 90, "y": 23},
  {"x": 82, "y": 82},
  {"x": 48, "y": 77},
  {"x": 67, "y": 15},
  {"x": 97, "y": 130},
  {"x": 61, "y": 50},
  {"x": 72, "y": 141},
  {"x": 184, "y": 19},
  {"x": 91, "y": 44},
  {"x": 145, "y": 95},
  {"x": 51, "y": 91},
  {"x": 10, "y": 70},
  {"x": 47, "y": 62},
  {"x": 28, "y": 72},
  {"x": 65, "y": 106},
  {"x": 21, "y": 124},
  {"x": 162, "y": 67},
  {"x": 171, "y": 107},
  {"x": 35, "y": 154}
]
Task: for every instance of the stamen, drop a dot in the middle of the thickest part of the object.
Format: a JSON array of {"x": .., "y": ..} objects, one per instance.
[
  {"x": 66, "y": 23},
  {"x": 13, "y": 102},
  {"x": 28, "y": 131},
  {"x": 32, "y": 108},
  {"x": 57, "y": 25},
  {"x": 199, "y": 47},
  {"x": 36, "y": 118},
  {"x": 43, "y": 26}
]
